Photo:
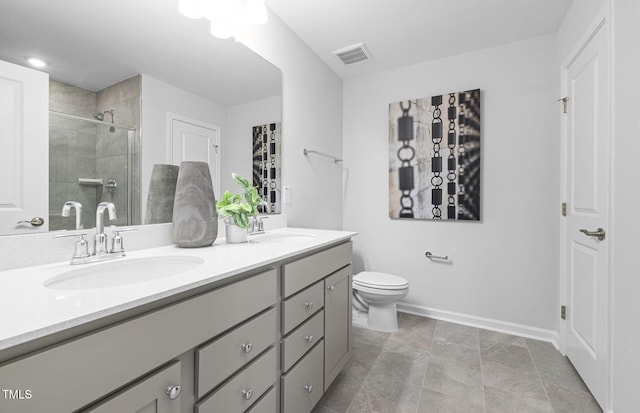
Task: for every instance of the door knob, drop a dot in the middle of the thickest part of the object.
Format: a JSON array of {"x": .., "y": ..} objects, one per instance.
[
  {"x": 599, "y": 233},
  {"x": 36, "y": 222}
]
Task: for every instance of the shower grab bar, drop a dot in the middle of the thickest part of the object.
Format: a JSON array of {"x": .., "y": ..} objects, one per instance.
[
  {"x": 308, "y": 151},
  {"x": 429, "y": 255}
]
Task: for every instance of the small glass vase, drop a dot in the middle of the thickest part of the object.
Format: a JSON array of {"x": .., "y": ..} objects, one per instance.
[{"x": 233, "y": 233}]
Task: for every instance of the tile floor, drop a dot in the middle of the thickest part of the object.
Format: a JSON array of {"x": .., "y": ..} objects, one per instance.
[{"x": 431, "y": 366}]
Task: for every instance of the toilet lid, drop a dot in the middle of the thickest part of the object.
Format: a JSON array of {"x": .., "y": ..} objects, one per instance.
[{"x": 380, "y": 280}]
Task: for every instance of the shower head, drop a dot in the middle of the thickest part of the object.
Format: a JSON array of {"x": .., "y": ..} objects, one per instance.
[{"x": 100, "y": 117}]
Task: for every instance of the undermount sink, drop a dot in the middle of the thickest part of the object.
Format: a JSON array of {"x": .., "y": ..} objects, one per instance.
[
  {"x": 123, "y": 272},
  {"x": 280, "y": 238}
]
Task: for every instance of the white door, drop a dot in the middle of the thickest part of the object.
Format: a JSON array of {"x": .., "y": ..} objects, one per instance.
[
  {"x": 587, "y": 196},
  {"x": 196, "y": 141},
  {"x": 24, "y": 150}
]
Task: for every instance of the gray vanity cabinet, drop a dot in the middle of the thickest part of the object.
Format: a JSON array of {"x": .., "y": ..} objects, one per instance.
[
  {"x": 337, "y": 326},
  {"x": 271, "y": 341},
  {"x": 77, "y": 373},
  {"x": 154, "y": 394},
  {"x": 316, "y": 325}
]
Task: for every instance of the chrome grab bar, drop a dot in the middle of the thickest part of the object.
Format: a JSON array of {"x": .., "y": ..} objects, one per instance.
[
  {"x": 306, "y": 152},
  {"x": 429, "y": 255}
]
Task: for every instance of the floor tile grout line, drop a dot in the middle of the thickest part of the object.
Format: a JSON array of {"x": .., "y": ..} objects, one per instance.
[
  {"x": 535, "y": 366},
  {"x": 484, "y": 395}
]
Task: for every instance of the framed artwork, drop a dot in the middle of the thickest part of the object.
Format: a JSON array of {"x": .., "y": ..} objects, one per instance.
[
  {"x": 266, "y": 165},
  {"x": 434, "y": 157}
]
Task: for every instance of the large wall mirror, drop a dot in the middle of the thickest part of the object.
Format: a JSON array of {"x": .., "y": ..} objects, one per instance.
[{"x": 127, "y": 77}]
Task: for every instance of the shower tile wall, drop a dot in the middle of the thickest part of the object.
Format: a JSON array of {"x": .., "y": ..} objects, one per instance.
[
  {"x": 112, "y": 148},
  {"x": 71, "y": 99},
  {"x": 72, "y": 154},
  {"x": 91, "y": 151}
]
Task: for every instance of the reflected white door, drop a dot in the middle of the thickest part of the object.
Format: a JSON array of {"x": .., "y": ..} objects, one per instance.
[
  {"x": 196, "y": 141},
  {"x": 24, "y": 150},
  {"x": 587, "y": 195}
]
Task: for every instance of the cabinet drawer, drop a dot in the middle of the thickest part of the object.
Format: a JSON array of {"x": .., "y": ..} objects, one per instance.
[
  {"x": 218, "y": 360},
  {"x": 298, "y": 308},
  {"x": 244, "y": 389},
  {"x": 150, "y": 391},
  {"x": 267, "y": 404},
  {"x": 302, "y": 339},
  {"x": 126, "y": 351},
  {"x": 306, "y": 271},
  {"x": 302, "y": 386}
]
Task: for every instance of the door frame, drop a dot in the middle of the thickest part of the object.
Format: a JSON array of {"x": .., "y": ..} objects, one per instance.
[
  {"x": 601, "y": 23},
  {"x": 169, "y": 144}
]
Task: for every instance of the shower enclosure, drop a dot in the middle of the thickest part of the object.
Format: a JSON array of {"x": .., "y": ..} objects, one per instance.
[{"x": 91, "y": 161}]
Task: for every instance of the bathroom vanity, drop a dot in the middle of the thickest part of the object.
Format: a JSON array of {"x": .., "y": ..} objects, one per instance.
[{"x": 259, "y": 327}]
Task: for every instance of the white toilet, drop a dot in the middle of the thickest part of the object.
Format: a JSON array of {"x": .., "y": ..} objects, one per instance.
[{"x": 377, "y": 293}]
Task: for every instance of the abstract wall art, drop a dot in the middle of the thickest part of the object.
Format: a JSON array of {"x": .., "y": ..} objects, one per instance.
[
  {"x": 266, "y": 165},
  {"x": 434, "y": 157}
]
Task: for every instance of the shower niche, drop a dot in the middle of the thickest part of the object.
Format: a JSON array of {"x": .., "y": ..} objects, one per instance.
[{"x": 93, "y": 145}]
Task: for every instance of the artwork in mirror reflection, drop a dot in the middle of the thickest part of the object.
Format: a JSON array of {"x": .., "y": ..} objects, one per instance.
[
  {"x": 266, "y": 165},
  {"x": 91, "y": 153},
  {"x": 434, "y": 157}
]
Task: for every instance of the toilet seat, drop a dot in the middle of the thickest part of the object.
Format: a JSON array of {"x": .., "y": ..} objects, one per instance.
[{"x": 380, "y": 281}]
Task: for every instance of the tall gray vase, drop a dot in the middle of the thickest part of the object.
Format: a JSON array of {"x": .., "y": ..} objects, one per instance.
[
  {"x": 162, "y": 191},
  {"x": 195, "y": 219}
]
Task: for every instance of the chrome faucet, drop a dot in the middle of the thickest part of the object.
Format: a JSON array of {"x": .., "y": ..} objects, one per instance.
[
  {"x": 100, "y": 252},
  {"x": 256, "y": 225},
  {"x": 66, "y": 212},
  {"x": 100, "y": 246}
]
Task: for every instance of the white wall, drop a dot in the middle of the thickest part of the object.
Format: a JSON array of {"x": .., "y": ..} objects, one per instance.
[
  {"x": 505, "y": 268},
  {"x": 312, "y": 119},
  {"x": 159, "y": 98},
  {"x": 239, "y": 144},
  {"x": 626, "y": 198}
]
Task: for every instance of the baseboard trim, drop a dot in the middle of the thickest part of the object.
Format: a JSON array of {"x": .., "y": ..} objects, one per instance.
[{"x": 481, "y": 322}]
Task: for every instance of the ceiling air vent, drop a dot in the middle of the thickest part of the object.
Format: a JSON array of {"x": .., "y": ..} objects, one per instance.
[{"x": 353, "y": 54}]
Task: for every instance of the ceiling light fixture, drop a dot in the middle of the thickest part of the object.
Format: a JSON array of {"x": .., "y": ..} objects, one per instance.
[
  {"x": 35, "y": 62},
  {"x": 228, "y": 17}
]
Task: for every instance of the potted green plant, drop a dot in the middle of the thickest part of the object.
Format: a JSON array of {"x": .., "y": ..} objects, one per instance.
[{"x": 238, "y": 209}]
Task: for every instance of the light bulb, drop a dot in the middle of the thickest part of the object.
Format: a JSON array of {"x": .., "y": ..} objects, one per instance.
[
  {"x": 190, "y": 8},
  {"x": 256, "y": 12},
  {"x": 34, "y": 61},
  {"x": 221, "y": 28}
]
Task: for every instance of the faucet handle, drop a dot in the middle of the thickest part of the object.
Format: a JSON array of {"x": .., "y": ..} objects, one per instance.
[
  {"x": 261, "y": 223},
  {"x": 81, "y": 249},
  {"x": 117, "y": 245},
  {"x": 78, "y": 234}
]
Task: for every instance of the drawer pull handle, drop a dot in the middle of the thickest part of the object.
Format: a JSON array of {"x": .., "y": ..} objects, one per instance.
[
  {"x": 331, "y": 287},
  {"x": 247, "y": 347},
  {"x": 247, "y": 394},
  {"x": 309, "y": 339},
  {"x": 174, "y": 391},
  {"x": 308, "y": 388},
  {"x": 309, "y": 305}
]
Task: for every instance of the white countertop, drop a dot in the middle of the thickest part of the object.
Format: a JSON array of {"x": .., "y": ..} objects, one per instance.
[{"x": 29, "y": 310}]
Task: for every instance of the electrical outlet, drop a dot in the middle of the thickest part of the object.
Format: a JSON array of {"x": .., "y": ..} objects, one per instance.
[{"x": 286, "y": 194}]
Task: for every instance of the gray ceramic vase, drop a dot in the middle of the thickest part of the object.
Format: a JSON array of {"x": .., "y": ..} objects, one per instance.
[
  {"x": 195, "y": 219},
  {"x": 162, "y": 190}
]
